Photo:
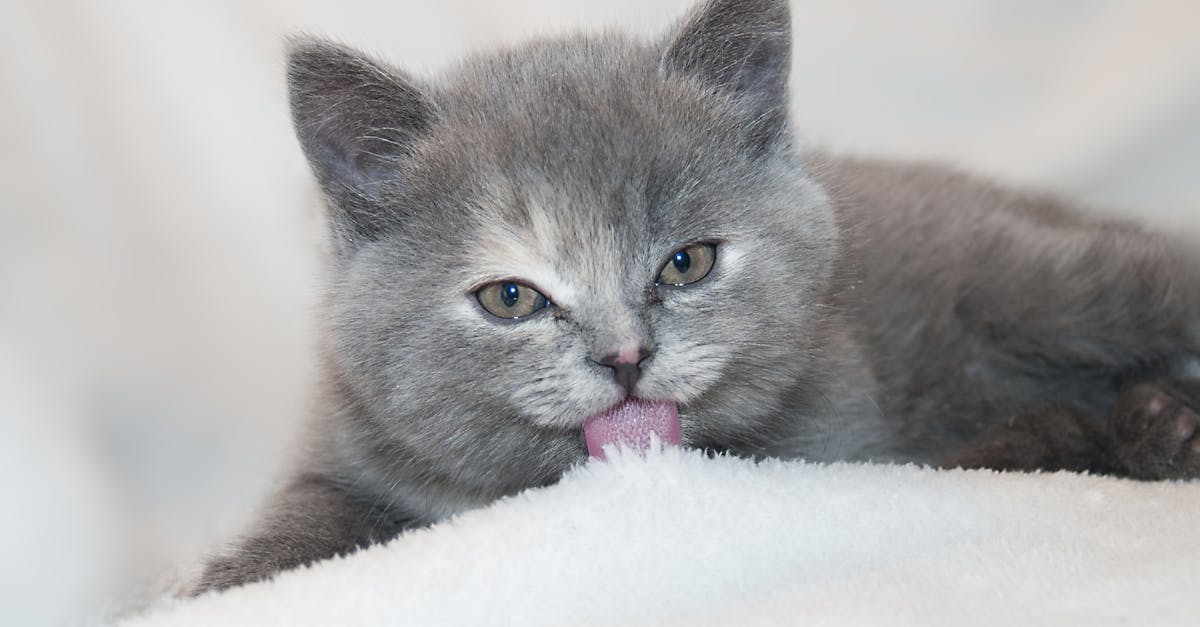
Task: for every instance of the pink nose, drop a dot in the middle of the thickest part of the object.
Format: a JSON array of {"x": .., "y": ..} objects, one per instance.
[
  {"x": 630, "y": 354},
  {"x": 626, "y": 364}
]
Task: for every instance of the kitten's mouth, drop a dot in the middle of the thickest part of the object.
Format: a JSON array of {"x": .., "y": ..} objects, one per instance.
[{"x": 633, "y": 423}]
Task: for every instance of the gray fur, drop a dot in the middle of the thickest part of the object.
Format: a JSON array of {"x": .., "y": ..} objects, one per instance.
[{"x": 858, "y": 310}]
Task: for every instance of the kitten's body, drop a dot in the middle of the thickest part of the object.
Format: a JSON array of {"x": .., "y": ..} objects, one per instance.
[
  {"x": 857, "y": 310},
  {"x": 977, "y": 303}
]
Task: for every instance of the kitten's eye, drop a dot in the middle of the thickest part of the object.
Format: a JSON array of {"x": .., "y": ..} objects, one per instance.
[
  {"x": 688, "y": 265},
  {"x": 508, "y": 299}
]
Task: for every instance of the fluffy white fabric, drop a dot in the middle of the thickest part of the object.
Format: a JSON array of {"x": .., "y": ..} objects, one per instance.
[{"x": 682, "y": 539}]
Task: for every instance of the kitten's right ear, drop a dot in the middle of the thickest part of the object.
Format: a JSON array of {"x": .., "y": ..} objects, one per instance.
[{"x": 357, "y": 122}]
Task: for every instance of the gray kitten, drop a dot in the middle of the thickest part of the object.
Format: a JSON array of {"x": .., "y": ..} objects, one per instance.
[{"x": 552, "y": 235}]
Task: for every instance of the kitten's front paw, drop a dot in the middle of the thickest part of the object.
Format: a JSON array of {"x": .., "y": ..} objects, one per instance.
[{"x": 1157, "y": 432}]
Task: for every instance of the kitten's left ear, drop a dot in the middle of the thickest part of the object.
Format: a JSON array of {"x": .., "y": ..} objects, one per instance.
[{"x": 742, "y": 49}]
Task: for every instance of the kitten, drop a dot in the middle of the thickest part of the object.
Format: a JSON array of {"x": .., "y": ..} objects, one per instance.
[{"x": 554, "y": 246}]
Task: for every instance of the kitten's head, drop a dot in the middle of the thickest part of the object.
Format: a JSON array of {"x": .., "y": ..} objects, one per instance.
[{"x": 507, "y": 234}]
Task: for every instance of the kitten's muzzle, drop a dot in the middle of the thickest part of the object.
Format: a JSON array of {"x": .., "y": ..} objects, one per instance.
[{"x": 626, "y": 365}]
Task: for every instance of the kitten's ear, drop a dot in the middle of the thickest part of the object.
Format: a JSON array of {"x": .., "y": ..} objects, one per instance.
[
  {"x": 357, "y": 121},
  {"x": 742, "y": 48}
]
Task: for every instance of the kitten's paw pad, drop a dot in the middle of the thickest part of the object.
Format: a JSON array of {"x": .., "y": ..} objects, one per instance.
[{"x": 1157, "y": 433}]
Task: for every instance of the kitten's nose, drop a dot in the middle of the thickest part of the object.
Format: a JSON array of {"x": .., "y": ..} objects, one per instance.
[{"x": 626, "y": 364}]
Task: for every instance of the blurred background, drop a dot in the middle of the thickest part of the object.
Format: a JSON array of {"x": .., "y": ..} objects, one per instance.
[{"x": 160, "y": 237}]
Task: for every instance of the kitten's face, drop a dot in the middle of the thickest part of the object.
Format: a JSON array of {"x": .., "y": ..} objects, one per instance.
[{"x": 577, "y": 169}]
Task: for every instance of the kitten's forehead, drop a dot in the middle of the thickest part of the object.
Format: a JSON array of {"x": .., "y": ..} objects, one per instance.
[
  {"x": 594, "y": 115},
  {"x": 565, "y": 245},
  {"x": 588, "y": 168}
]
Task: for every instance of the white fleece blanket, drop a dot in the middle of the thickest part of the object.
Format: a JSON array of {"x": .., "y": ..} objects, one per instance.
[{"x": 681, "y": 539}]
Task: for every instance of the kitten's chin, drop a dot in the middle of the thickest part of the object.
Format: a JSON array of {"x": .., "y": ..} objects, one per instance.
[{"x": 634, "y": 423}]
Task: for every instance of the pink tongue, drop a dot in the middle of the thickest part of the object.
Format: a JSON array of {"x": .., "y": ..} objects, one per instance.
[{"x": 630, "y": 424}]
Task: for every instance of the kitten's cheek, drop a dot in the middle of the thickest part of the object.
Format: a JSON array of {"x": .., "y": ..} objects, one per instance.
[{"x": 681, "y": 380}]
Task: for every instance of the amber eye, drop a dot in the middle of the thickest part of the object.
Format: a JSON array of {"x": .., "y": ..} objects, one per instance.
[
  {"x": 688, "y": 265},
  {"x": 509, "y": 299}
]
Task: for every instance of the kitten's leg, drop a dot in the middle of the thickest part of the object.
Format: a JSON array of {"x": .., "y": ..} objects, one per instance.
[
  {"x": 1052, "y": 438},
  {"x": 1153, "y": 433},
  {"x": 1115, "y": 298},
  {"x": 312, "y": 519},
  {"x": 1156, "y": 430}
]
